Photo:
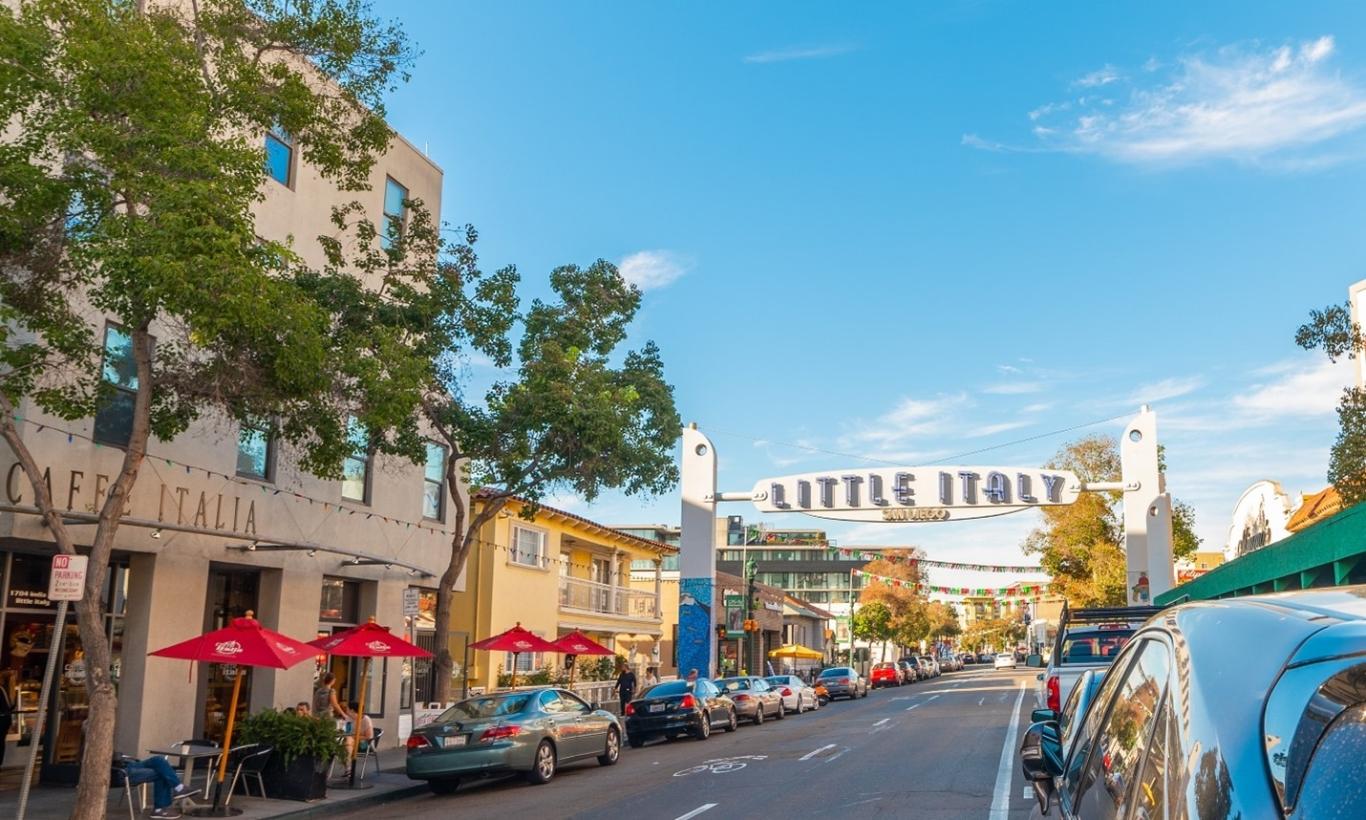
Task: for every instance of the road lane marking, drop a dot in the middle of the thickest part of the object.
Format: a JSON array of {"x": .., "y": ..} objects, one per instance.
[
  {"x": 1000, "y": 802},
  {"x": 880, "y": 722},
  {"x": 981, "y": 700},
  {"x": 930, "y": 698},
  {"x": 696, "y": 811},
  {"x": 815, "y": 752},
  {"x": 918, "y": 705}
]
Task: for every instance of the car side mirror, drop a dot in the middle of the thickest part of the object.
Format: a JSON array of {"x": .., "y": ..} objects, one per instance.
[
  {"x": 1041, "y": 751},
  {"x": 1035, "y": 661},
  {"x": 1043, "y": 716},
  {"x": 596, "y": 706}
]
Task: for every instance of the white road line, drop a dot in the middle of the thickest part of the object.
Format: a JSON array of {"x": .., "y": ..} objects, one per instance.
[
  {"x": 696, "y": 811},
  {"x": 811, "y": 754},
  {"x": 917, "y": 706},
  {"x": 981, "y": 700},
  {"x": 930, "y": 698},
  {"x": 1000, "y": 803},
  {"x": 880, "y": 722}
]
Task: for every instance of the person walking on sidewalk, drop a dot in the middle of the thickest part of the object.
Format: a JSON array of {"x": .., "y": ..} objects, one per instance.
[{"x": 626, "y": 686}]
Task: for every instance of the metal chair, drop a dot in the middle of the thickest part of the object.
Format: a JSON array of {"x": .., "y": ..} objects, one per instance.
[
  {"x": 249, "y": 764},
  {"x": 371, "y": 750},
  {"x": 118, "y": 778}
]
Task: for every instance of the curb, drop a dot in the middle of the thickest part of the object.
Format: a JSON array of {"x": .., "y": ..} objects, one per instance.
[{"x": 307, "y": 812}]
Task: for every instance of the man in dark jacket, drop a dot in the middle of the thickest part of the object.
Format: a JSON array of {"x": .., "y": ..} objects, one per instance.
[{"x": 626, "y": 686}]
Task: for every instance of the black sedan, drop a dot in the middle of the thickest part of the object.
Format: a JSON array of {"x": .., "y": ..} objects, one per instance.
[{"x": 677, "y": 707}]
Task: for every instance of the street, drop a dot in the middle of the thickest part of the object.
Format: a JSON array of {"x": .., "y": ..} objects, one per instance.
[{"x": 928, "y": 750}]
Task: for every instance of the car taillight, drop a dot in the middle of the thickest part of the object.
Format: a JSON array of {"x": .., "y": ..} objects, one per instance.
[
  {"x": 787, "y": 693},
  {"x": 499, "y": 732},
  {"x": 739, "y": 698},
  {"x": 688, "y": 702},
  {"x": 842, "y": 680},
  {"x": 417, "y": 742},
  {"x": 1054, "y": 693},
  {"x": 630, "y": 709}
]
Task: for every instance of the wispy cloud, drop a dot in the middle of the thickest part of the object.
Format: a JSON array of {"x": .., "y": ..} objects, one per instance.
[
  {"x": 1165, "y": 389},
  {"x": 995, "y": 429},
  {"x": 783, "y": 55},
  {"x": 1311, "y": 391},
  {"x": 1283, "y": 107},
  {"x": 1013, "y": 388},
  {"x": 649, "y": 270},
  {"x": 909, "y": 419}
]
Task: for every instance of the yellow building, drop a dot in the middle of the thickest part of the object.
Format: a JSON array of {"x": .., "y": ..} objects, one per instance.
[{"x": 554, "y": 574}]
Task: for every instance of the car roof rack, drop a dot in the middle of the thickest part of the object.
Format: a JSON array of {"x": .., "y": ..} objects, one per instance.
[{"x": 1124, "y": 613}]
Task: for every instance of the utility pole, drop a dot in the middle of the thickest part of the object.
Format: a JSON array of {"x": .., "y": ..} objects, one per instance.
[{"x": 751, "y": 567}]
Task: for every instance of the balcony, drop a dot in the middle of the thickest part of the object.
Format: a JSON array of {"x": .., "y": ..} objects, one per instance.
[{"x": 605, "y": 599}]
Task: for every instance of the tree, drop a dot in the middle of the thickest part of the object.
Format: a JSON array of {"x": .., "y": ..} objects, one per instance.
[
  {"x": 873, "y": 622},
  {"x": 1082, "y": 545},
  {"x": 577, "y": 414},
  {"x": 130, "y": 166},
  {"x": 906, "y": 603},
  {"x": 1333, "y": 331},
  {"x": 943, "y": 621}
]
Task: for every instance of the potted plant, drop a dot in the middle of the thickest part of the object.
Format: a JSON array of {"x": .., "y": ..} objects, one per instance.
[{"x": 304, "y": 748}]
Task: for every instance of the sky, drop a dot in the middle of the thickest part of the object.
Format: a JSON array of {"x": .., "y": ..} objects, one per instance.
[{"x": 906, "y": 232}]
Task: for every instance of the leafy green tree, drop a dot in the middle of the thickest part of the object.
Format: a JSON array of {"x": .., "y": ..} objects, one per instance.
[
  {"x": 1333, "y": 331},
  {"x": 873, "y": 623},
  {"x": 131, "y": 166},
  {"x": 1081, "y": 545},
  {"x": 577, "y": 413}
]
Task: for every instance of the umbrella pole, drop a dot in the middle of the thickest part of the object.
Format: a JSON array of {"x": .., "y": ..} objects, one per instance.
[
  {"x": 227, "y": 736},
  {"x": 514, "y": 669},
  {"x": 359, "y": 718}
]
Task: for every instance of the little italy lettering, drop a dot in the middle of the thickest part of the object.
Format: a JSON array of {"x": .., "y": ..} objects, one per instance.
[{"x": 917, "y": 494}]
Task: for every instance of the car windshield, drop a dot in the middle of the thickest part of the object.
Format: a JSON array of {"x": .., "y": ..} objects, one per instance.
[
  {"x": 667, "y": 688},
  {"x": 1094, "y": 646},
  {"x": 838, "y": 672},
  {"x": 733, "y": 684},
  {"x": 780, "y": 680},
  {"x": 883, "y": 666},
  {"x": 486, "y": 707}
]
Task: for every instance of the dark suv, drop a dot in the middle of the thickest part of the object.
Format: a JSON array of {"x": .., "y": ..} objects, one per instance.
[{"x": 1241, "y": 707}]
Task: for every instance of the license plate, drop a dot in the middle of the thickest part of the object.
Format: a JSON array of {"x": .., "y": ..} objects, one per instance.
[
  {"x": 656, "y": 707},
  {"x": 450, "y": 742}
]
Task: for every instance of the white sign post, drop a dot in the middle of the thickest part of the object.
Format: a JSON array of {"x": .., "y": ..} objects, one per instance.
[
  {"x": 65, "y": 584},
  {"x": 411, "y": 606},
  {"x": 410, "y": 602}
]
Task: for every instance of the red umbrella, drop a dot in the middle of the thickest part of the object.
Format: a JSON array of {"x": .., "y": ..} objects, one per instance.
[
  {"x": 577, "y": 643},
  {"x": 516, "y": 640},
  {"x": 369, "y": 640},
  {"x": 243, "y": 642}
]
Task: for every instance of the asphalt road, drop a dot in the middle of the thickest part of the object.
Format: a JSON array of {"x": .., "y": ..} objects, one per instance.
[{"x": 928, "y": 750}]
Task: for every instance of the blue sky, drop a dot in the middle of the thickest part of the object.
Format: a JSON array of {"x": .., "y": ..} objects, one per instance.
[{"x": 905, "y": 232}]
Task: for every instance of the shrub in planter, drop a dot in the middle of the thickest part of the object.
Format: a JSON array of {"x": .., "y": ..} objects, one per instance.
[{"x": 304, "y": 747}]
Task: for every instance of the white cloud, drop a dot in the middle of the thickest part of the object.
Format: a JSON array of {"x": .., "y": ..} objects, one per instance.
[
  {"x": 993, "y": 429},
  {"x": 1099, "y": 77},
  {"x": 649, "y": 270},
  {"x": 1165, "y": 389},
  {"x": 1279, "y": 107},
  {"x": 1013, "y": 388},
  {"x": 1309, "y": 391},
  {"x": 782, "y": 55},
  {"x": 1008, "y": 368},
  {"x": 1037, "y": 407},
  {"x": 910, "y": 418}
]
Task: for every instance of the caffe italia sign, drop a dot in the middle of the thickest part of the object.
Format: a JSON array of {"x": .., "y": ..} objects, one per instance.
[{"x": 917, "y": 494}]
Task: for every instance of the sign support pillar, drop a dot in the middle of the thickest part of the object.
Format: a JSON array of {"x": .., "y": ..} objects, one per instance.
[
  {"x": 1147, "y": 512},
  {"x": 697, "y": 555}
]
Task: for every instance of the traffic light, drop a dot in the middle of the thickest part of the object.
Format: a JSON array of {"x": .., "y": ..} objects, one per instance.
[{"x": 721, "y": 631}]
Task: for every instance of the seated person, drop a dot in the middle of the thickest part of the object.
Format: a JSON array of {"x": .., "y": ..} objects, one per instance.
[
  {"x": 367, "y": 728},
  {"x": 166, "y": 785},
  {"x": 304, "y": 709}
]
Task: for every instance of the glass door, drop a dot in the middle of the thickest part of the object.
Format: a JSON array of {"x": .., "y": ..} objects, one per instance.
[{"x": 232, "y": 593}]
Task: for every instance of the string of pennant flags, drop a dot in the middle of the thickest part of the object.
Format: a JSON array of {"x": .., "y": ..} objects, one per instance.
[
  {"x": 1015, "y": 590},
  {"x": 868, "y": 555}
]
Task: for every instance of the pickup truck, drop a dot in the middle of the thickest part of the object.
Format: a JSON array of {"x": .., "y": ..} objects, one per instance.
[{"x": 1086, "y": 639}]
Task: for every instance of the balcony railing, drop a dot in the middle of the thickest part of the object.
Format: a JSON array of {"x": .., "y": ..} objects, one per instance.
[{"x": 605, "y": 599}]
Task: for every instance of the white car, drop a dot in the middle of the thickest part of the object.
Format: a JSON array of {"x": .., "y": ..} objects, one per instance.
[
  {"x": 1005, "y": 660},
  {"x": 797, "y": 694}
]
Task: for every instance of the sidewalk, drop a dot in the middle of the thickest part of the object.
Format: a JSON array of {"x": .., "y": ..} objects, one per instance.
[{"x": 55, "y": 802}]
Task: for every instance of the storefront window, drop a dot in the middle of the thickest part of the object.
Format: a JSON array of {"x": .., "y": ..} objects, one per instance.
[
  {"x": 340, "y": 601},
  {"x": 232, "y": 593}
]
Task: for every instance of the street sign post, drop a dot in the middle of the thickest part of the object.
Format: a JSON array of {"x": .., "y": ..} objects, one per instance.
[
  {"x": 410, "y": 602},
  {"x": 66, "y": 583}
]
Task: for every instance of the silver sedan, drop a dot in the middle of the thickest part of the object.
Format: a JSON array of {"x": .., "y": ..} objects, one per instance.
[{"x": 798, "y": 696}]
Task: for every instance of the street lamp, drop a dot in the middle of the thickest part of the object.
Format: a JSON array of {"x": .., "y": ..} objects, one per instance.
[{"x": 751, "y": 568}]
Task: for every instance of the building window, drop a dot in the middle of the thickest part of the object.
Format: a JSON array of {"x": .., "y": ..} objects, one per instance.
[
  {"x": 340, "y": 602},
  {"x": 395, "y": 213},
  {"x": 114, "y": 416},
  {"x": 255, "y": 452},
  {"x": 433, "y": 482},
  {"x": 280, "y": 156},
  {"x": 528, "y": 547},
  {"x": 525, "y": 662},
  {"x": 356, "y": 467}
]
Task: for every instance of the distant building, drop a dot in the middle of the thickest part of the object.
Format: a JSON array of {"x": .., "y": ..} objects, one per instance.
[
  {"x": 1197, "y": 564},
  {"x": 1315, "y": 507},
  {"x": 1261, "y": 517}
]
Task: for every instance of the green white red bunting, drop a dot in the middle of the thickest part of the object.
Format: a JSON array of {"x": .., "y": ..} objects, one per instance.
[
  {"x": 1015, "y": 591},
  {"x": 870, "y": 555}
]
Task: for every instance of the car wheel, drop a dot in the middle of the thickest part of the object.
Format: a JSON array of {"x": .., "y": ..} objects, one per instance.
[
  {"x": 734, "y": 722},
  {"x": 703, "y": 730},
  {"x": 444, "y": 785},
  {"x": 801, "y": 705},
  {"x": 635, "y": 741},
  {"x": 782, "y": 710},
  {"x": 759, "y": 715},
  {"x": 543, "y": 764},
  {"x": 613, "y": 752}
]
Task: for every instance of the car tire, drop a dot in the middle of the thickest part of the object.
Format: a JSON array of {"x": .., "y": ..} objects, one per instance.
[
  {"x": 635, "y": 741},
  {"x": 703, "y": 730},
  {"x": 444, "y": 785},
  {"x": 782, "y": 710},
  {"x": 613, "y": 751},
  {"x": 543, "y": 764},
  {"x": 759, "y": 715},
  {"x": 865, "y": 691},
  {"x": 801, "y": 705},
  {"x": 734, "y": 722}
]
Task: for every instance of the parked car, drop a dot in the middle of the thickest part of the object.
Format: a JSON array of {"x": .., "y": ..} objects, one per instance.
[
  {"x": 1005, "y": 660},
  {"x": 532, "y": 731},
  {"x": 985, "y": 657},
  {"x": 797, "y": 694},
  {"x": 844, "y": 682},
  {"x": 754, "y": 699},
  {"x": 910, "y": 673},
  {"x": 677, "y": 707},
  {"x": 968, "y": 658},
  {"x": 924, "y": 671},
  {"x": 949, "y": 663},
  {"x": 885, "y": 674},
  {"x": 1086, "y": 639},
  {"x": 935, "y": 670},
  {"x": 1241, "y": 707}
]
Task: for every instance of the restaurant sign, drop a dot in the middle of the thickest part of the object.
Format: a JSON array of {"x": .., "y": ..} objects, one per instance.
[{"x": 917, "y": 494}]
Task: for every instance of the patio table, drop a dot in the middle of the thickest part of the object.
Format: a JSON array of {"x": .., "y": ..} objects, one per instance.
[{"x": 188, "y": 754}]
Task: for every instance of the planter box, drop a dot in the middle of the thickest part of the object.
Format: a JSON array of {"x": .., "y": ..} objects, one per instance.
[{"x": 305, "y": 778}]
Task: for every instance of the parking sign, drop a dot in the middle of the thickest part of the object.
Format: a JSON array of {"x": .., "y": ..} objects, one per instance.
[{"x": 67, "y": 582}]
